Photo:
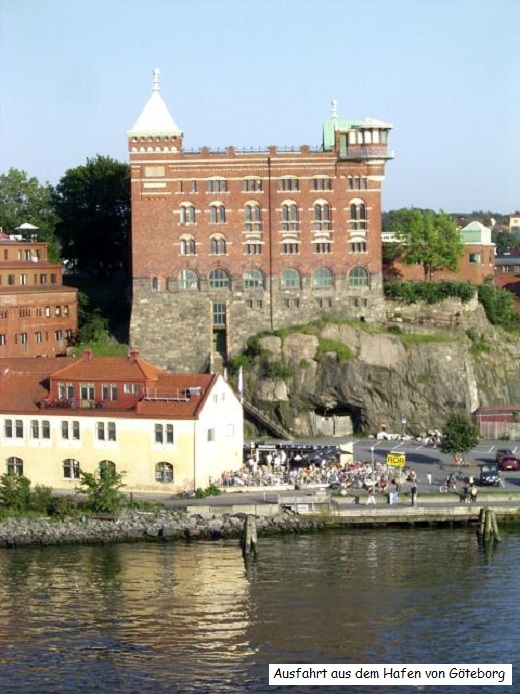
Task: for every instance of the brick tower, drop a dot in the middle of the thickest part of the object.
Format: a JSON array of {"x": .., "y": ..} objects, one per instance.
[{"x": 232, "y": 242}]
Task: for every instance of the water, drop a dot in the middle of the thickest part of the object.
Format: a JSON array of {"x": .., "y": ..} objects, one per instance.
[{"x": 190, "y": 618}]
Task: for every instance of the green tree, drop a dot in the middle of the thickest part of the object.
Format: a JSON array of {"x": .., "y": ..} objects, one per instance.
[
  {"x": 506, "y": 242},
  {"x": 24, "y": 199},
  {"x": 459, "y": 435},
  {"x": 428, "y": 238},
  {"x": 15, "y": 492},
  {"x": 93, "y": 205},
  {"x": 102, "y": 489}
]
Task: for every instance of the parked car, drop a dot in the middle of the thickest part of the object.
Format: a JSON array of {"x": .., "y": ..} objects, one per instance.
[
  {"x": 489, "y": 475},
  {"x": 501, "y": 453},
  {"x": 509, "y": 462}
]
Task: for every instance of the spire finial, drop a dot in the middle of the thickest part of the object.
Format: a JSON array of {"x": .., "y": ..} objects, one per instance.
[
  {"x": 334, "y": 109},
  {"x": 155, "y": 83}
]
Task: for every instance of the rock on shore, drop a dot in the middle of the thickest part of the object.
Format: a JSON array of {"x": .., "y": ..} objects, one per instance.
[{"x": 135, "y": 526}]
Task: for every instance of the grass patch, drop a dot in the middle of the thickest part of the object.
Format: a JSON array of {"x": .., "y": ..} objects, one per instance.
[
  {"x": 419, "y": 339},
  {"x": 343, "y": 353}
]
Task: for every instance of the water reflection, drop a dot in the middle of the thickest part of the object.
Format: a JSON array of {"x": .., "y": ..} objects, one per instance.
[{"x": 171, "y": 617}]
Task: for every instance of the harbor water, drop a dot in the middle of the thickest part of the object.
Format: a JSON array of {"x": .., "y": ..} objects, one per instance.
[{"x": 184, "y": 618}]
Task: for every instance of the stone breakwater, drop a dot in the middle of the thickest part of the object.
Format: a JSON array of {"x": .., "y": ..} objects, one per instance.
[{"x": 138, "y": 526}]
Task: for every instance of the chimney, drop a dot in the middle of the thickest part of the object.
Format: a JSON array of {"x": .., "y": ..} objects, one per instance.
[
  {"x": 87, "y": 354},
  {"x": 133, "y": 355}
]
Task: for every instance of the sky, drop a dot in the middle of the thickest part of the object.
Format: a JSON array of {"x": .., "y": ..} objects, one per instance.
[{"x": 75, "y": 75}]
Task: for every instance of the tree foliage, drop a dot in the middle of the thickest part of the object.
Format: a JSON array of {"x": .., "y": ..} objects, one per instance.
[
  {"x": 506, "y": 242},
  {"x": 459, "y": 435},
  {"x": 15, "y": 491},
  {"x": 428, "y": 238},
  {"x": 102, "y": 489},
  {"x": 24, "y": 199},
  {"x": 93, "y": 205}
]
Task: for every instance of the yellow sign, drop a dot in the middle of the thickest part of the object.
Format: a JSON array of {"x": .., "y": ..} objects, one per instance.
[{"x": 396, "y": 459}]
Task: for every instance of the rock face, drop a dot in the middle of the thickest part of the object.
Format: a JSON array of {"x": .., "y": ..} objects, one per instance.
[{"x": 447, "y": 359}]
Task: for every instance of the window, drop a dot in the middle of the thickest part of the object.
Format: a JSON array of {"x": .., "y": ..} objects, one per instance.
[
  {"x": 106, "y": 468},
  {"x": 218, "y": 245},
  {"x": 211, "y": 435},
  {"x": 23, "y": 279},
  {"x": 217, "y": 185},
  {"x": 218, "y": 279},
  {"x": 8, "y": 428},
  {"x": 290, "y": 248},
  {"x": 109, "y": 391},
  {"x": 253, "y": 249},
  {"x": 164, "y": 433},
  {"x": 322, "y": 247},
  {"x": 86, "y": 391},
  {"x": 38, "y": 337},
  {"x": 253, "y": 279},
  {"x": 164, "y": 473},
  {"x": 289, "y": 183},
  {"x": 475, "y": 258},
  {"x": 18, "y": 429},
  {"x": 14, "y": 466},
  {"x": 251, "y": 185},
  {"x": 321, "y": 216},
  {"x": 187, "y": 214},
  {"x": 358, "y": 247},
  {"x": 2, "y": 340},
  {"x": 58, "y": 335},
  {"x": 219, "y": 314},
  {"x": 290, "y": 220},
  {"x": 187, "y": 246},
  {"x": 321, "y": 183},
  {"x": 253, "y": 216},
  {"x": 358, "y": 277},
  {"x": 291, "y": 279},
  {"x": 357, "y": 183},
  {"x": 131, "y": 388},
  {"x": 64, "y": 430},
  {"x": 322, "y": 278},
  {"x": 75, "y": 430},
  {"x": 65, "y": 391},
  {"x": 155, "y": 284},
  {"x": 46, "y": 429},
  {"x": 188, "y": 280},
  {"x": 71, "y": 469},
  {"x": 35, "y": 429},
  {"x": 106, "y": 431},
  {"x": 217, "y": 213},
  {"x": 57, "y": 310},
  {"x": 193, "y": 186},
  {"x": 23, "y": 339},
  {"x": 10, "y": 280},
  {"x": 358, "y": 216}
]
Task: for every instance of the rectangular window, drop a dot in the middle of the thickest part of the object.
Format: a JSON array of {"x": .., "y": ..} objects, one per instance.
[
  {"x": 18, "y": 429},
  {"x": 322, "y": 183},
  {"x": 23, "y": 279},
  {"x": 2, "y": 340},
  {"x": 35, "y": 429},
  {"x": 109, "y": 391},
  {"x": 23, "y": 338},
  {"x": 131, "y": 388},
  {"x": 10, "y": 280},
  {"x": 219, "y": 313},
  {"x": 65, "y": 391},
  {"x": 289, "y": 184},
  {"x": 111, "y": 431},
  {"x": 53, "y": 279},
  {"x": 250, "y": 185},
  {"x": 322, "y": 248},
  {"x": 8, "y": 428},
  {"x": 159, "y": 434},
  {"x": 253, "y": 249},
  {"x": 169, "y": 433},
  {"x": 100, "y": 431},
  {"x": 75, "y": 430},
  {"x": 58, "y": 335},
  {"x": 217, "y": 185},
  {"x": 475, "y": 258},
  {"x": 38, "y": 337},
  {"x": 211, "y": 434},
  {"x": 65, "y": 430},
  {"x": 193, "y": 187},
  {"x": 46, "y": 429},
  {"x": 290, "y": 248},
  {"x": 86, "y": 391}
]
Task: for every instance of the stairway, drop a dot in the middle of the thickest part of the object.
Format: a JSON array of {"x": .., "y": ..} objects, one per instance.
[{"x": 269, "y": 422}]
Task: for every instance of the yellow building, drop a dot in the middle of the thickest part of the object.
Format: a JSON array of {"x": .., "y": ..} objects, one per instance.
[{"x": 165, "y": 432}]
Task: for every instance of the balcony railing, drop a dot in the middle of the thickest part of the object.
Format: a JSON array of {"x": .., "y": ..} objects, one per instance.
[{"x": 370, "y": 152}]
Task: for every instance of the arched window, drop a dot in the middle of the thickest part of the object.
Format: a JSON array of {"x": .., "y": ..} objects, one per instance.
[
  {"x": 253, "y": 215},
  {"x": 322, "y": 278},
  {"x": 14, "y": 466},
  {"x": 187, "y": 246},
  {"x": 188, "y": 280},
  {"x": 71, "y": 469},
  {"x": 155, "y": 284},
  {"x": 217, "y": 213},
  {"x": 291, "y": 279},
  {"x": 187, "y": 214},
  {"x": 253, "y": 279},
  {"x": 321, "y": 216},
  {"x": 164, "y": 473},
  {"x": 251, "y": 184},
  {"x": 290, "y": 217},
  {"x": 106, "y": 469},
  {"x": 218, "y": 245},
  {"x": 321, "y": 183},
  {"x": 218, "y": 279},
  {"x": 358, "y": 277},
  {"x": 358, "y": 216}
]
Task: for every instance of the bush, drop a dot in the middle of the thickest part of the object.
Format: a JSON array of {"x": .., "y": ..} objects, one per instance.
[
  {"x": 209, "y": 491},
  {"x": 276, "y": 369},
  {"x": 343, "y": 353},
  {"x": 15, "y": 492},
  {"x": 63, "y": 507},
  {"x": 41, "y": 498},
  {"x": 499, "y": 305},
  {"x": 102, "y": 489},
  {"x": 429, "y": 292}
]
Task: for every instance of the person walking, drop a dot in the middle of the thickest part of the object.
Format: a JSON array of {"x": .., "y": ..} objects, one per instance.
[
  {"x": 413, "y": 491},
  {"x": 371, "y": 498},
  {"x": 429, "y": 477}
]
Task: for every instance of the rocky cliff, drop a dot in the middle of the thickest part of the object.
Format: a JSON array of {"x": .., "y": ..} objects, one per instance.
[{"x": 424, "y": 364}]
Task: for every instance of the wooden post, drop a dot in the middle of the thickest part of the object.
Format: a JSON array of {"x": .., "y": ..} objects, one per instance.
[
  {"x": 487, "y": 525},
  {"x": 494, "y": 526},
  {"x": 249, "y": 536},
  {"x": 481, "y": 522}
]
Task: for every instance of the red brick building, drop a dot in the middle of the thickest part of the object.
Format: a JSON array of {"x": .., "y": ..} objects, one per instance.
[
  {"x": 228, "y": 243},
  {"x": 38, "y": 314}
]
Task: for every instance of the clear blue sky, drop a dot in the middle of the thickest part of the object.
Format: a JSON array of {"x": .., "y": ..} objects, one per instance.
[{"x": 75, "y": 74}]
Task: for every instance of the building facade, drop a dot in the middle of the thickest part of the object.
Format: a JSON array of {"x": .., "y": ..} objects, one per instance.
[
  {"x": 229, "y": 243},
  {"x": 166, "y": 432},
  {"x": 38, "y": 314}
]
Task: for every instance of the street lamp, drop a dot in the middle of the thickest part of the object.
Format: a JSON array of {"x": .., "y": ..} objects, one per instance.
[{"x": 372, "y": 453}]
